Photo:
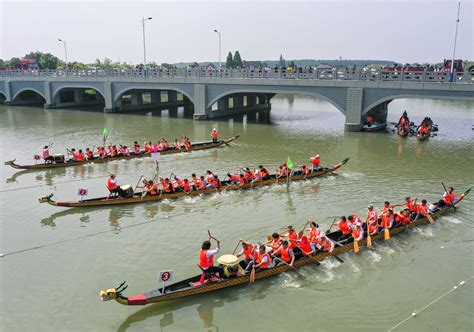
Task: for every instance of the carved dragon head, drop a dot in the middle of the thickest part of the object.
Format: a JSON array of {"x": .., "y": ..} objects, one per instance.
[
  {"x": 44, "y": 199},
  {"x": 113, "y": 293},
  {"x": 9, "y": 162}
]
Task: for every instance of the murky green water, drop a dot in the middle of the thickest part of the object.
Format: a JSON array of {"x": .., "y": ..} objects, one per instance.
[{"x": 57, "y": 259}]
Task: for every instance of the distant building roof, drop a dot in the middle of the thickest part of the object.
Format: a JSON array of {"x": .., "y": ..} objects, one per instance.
[{"x": 253, "y": 64}]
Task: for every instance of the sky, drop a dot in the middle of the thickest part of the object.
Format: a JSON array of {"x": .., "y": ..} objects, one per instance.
[{"x": 182, "y": 31}]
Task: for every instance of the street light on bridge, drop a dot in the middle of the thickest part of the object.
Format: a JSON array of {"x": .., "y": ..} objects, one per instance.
[
  {"x": 218, "y": 32},
  {"x": 144, "y": 45},
  {"x": 65, "y": 51}
]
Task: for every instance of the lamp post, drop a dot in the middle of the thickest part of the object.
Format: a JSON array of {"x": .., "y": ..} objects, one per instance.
[
  {"x": 144, "y": 44},
  {"x": 65, "y": 52},
  {"x": 218, "y": 32},
  {"x": 455, "y": 38}
]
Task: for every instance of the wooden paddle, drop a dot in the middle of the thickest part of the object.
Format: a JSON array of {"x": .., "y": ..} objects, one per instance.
[
  {"x": 356, "y": 246},
  {"x": 450, "y": 201},
  {"x": 233, "y": 252},
  {"x": 386, "y": 234},
  {"x": 297, "y": 272},
  {"x": 300, "y": 233},
  {"x": 252, "y": 276},
  {"x": 430, "y": 218},
  {"x": 329, "y": 230},
  {"x": 212, "y": 237},
  {"x": 312, "y": 258}
]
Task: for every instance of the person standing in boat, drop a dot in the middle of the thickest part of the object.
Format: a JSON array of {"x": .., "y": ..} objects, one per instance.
[
  {"x": 448, "y": 198},
  {"x": 48, "y": 158},
  {"x": 214, "y": 134},
  {"x": 315, "y": 162},
  {"x": 206, "y": 258}
]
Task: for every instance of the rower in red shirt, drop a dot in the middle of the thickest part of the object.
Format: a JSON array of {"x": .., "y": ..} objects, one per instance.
[{"x": 315, "y": 161}]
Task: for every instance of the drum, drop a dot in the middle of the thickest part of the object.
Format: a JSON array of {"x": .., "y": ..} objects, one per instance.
[
  {"x": 127, "y": 191},
  {"x": 230, "y": 264},
  {"x": 58, "y": 158}
]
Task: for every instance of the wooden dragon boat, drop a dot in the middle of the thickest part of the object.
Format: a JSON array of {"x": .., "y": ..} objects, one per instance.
[
  {"x": 226, "y": 185},
  {"x": 186, "y": 288},
  {"x": 403, "y": 131},
  {"x": 423, "y": 137},
  {"x": 171, "y": 150},
  {"x": 376, "y": 126}
]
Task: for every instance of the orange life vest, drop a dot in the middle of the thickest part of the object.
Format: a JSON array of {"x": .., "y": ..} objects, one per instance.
[
  {"x": 423, "y": 210},
  {"x": 111, "y": 185},
  {"x": 214, "y": 134},
  {"x": 205, "y": 262},
  {"x": 285, "y": 254},
  {"x": 344, "y": 227},
  {"x": 410, "y": 206},
  {"x": 259, "y": 258},
  {"x": 248, "y": 252},
  {"x": 313, "y": 233},
  {"x": 293, "y": 238},
  {"x": 186, "y": 186},
  {"x": 356, "y": 233},
  {"x": 448, "y": 198},
  {"x": 305, "y": 247},
  {"x": 373, "y": 228},
  {"x": 386, "y": 221},
  {"x": 315, "y": 161}
]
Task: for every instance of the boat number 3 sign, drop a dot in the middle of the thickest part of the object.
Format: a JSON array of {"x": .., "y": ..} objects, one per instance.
[{"x": 164, "y": 277}]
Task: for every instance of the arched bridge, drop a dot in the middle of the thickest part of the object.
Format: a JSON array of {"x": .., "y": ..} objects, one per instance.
[{"x": 219, "y": 93}]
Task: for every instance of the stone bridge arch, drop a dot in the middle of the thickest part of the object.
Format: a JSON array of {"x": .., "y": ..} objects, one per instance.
[{"x": 336, "y": 97}]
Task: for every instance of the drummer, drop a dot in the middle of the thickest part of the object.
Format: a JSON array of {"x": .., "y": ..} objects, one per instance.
[{"x": 248, "y": 251}]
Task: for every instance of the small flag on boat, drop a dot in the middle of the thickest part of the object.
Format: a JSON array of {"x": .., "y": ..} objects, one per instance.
[
  {"x": 289, "y": 163},
  {"x": 105, "y": 133}
]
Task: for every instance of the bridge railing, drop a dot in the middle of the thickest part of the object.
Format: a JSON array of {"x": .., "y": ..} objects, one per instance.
[{"x": 300, "y": 74}]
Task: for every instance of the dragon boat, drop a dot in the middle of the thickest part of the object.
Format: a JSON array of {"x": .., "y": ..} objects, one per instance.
[
  {"x": 225, "y": 186},
  {"x": 96, "y": 160},
  {"x": 187, "y": 287}
]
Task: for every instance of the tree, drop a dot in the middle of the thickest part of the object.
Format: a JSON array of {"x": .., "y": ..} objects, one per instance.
[
  {"x": 237, "y": 60},
  {"x": 229, "y": 63},
  {"x": 281, "y": 62},
  {"x": 3, "y": 64},
  {"x": 44, "y": 60},
  {"x": 194, "y": 65}
]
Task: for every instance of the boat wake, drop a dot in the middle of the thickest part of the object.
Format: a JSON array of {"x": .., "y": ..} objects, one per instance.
[
  {"x": 452, "y": 220},
  {"x": 426, "y": 232},
  {"x": 375, "y": 257}
]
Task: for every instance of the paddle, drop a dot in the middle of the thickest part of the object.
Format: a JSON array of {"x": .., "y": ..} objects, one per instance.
[
  {"x": 300, "y": 233},
  {"x": 356, "y": 246},
  {"x": 233, "y": 252},
  {"x": 336, "y": 256},
  {"x": 292, "y": 267},
  {"x": 212, "y": 237},
  {"x": 386, "y": 234},
  {"x": 312, "y": 258},
  {"x": 369, "y": 238},
  {"x": 450, "y": 201},
  {"x": 329, "y": 230},
  {"x": 252, "y": 276},
  {"x": 430, "y": 218}
]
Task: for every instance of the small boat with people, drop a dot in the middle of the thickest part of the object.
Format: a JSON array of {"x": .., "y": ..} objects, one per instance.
[
  {"x": 166, "y": 188},
  {"x": 425, "y": 129},
  {"x": 103, "y": 154},
  {"x": 371, "y": 125},
  {"x": 290, "y": 250}
]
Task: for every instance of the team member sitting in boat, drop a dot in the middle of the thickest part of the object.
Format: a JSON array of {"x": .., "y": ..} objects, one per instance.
[
  {"x": 404, "y": 122},
  {"x": 248, "y": 251},
  {"x": 387, "y": 220},
  {"x": 282, "y": 171},
  {"x": 315, "y": 161},
  {"x": 168, "y": 186},
  {"x": 411, "y": 205},
  {"x": 327, "y": 244},
  {"x": 304, "y": 170},
  {"x": 354, "y": 220},
  {"x": 265, "y": 175},
  {"x": 248, "y": 176},
  {"x": 371, "y": 214},
  {"x": 187, "y": 187},
  {"x": 89, "y": 154},
  {"x": 187, "y": 143},
  {"x": 345, "y": 228},
  {"x": 241, "y": 180},
  {"x": 113, "y": 186},
  {"x": 136, "y": 148},
  {"x": 286, "y": 254},
  {"x": 402, "y": 217},
  {"x": 358, "y": 233},
  {"x": 206, "y": 258},
  {"x": 262, "y": 259},
  {"x": 314, "y": 232},
  {"x": 373, "y": 228},
  {"x": 47, "y": 157},
  {"x": 177, "y": 145},
  {"x": 214, "y": 134},
  {"x": 79, "y": 156},
  {"x": 275, "y": 242},
  {"x": 196, "y": 182},
  {"x": 151, "y": 188},
  {"x": 233, "y": 178},
  {"x": 448, "y": 198},
  {"x": 422, "y": 210},
  {"x": 305, "y": 246},
  {"x": 386, "y": 207},
  {"x": 292, "y": 238}
]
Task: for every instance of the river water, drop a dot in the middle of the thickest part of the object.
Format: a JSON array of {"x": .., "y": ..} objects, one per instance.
[{"x": 57, "y": 260}]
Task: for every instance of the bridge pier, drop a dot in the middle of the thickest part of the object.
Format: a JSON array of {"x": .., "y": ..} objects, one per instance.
[{"x": 354, "y": 109}]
